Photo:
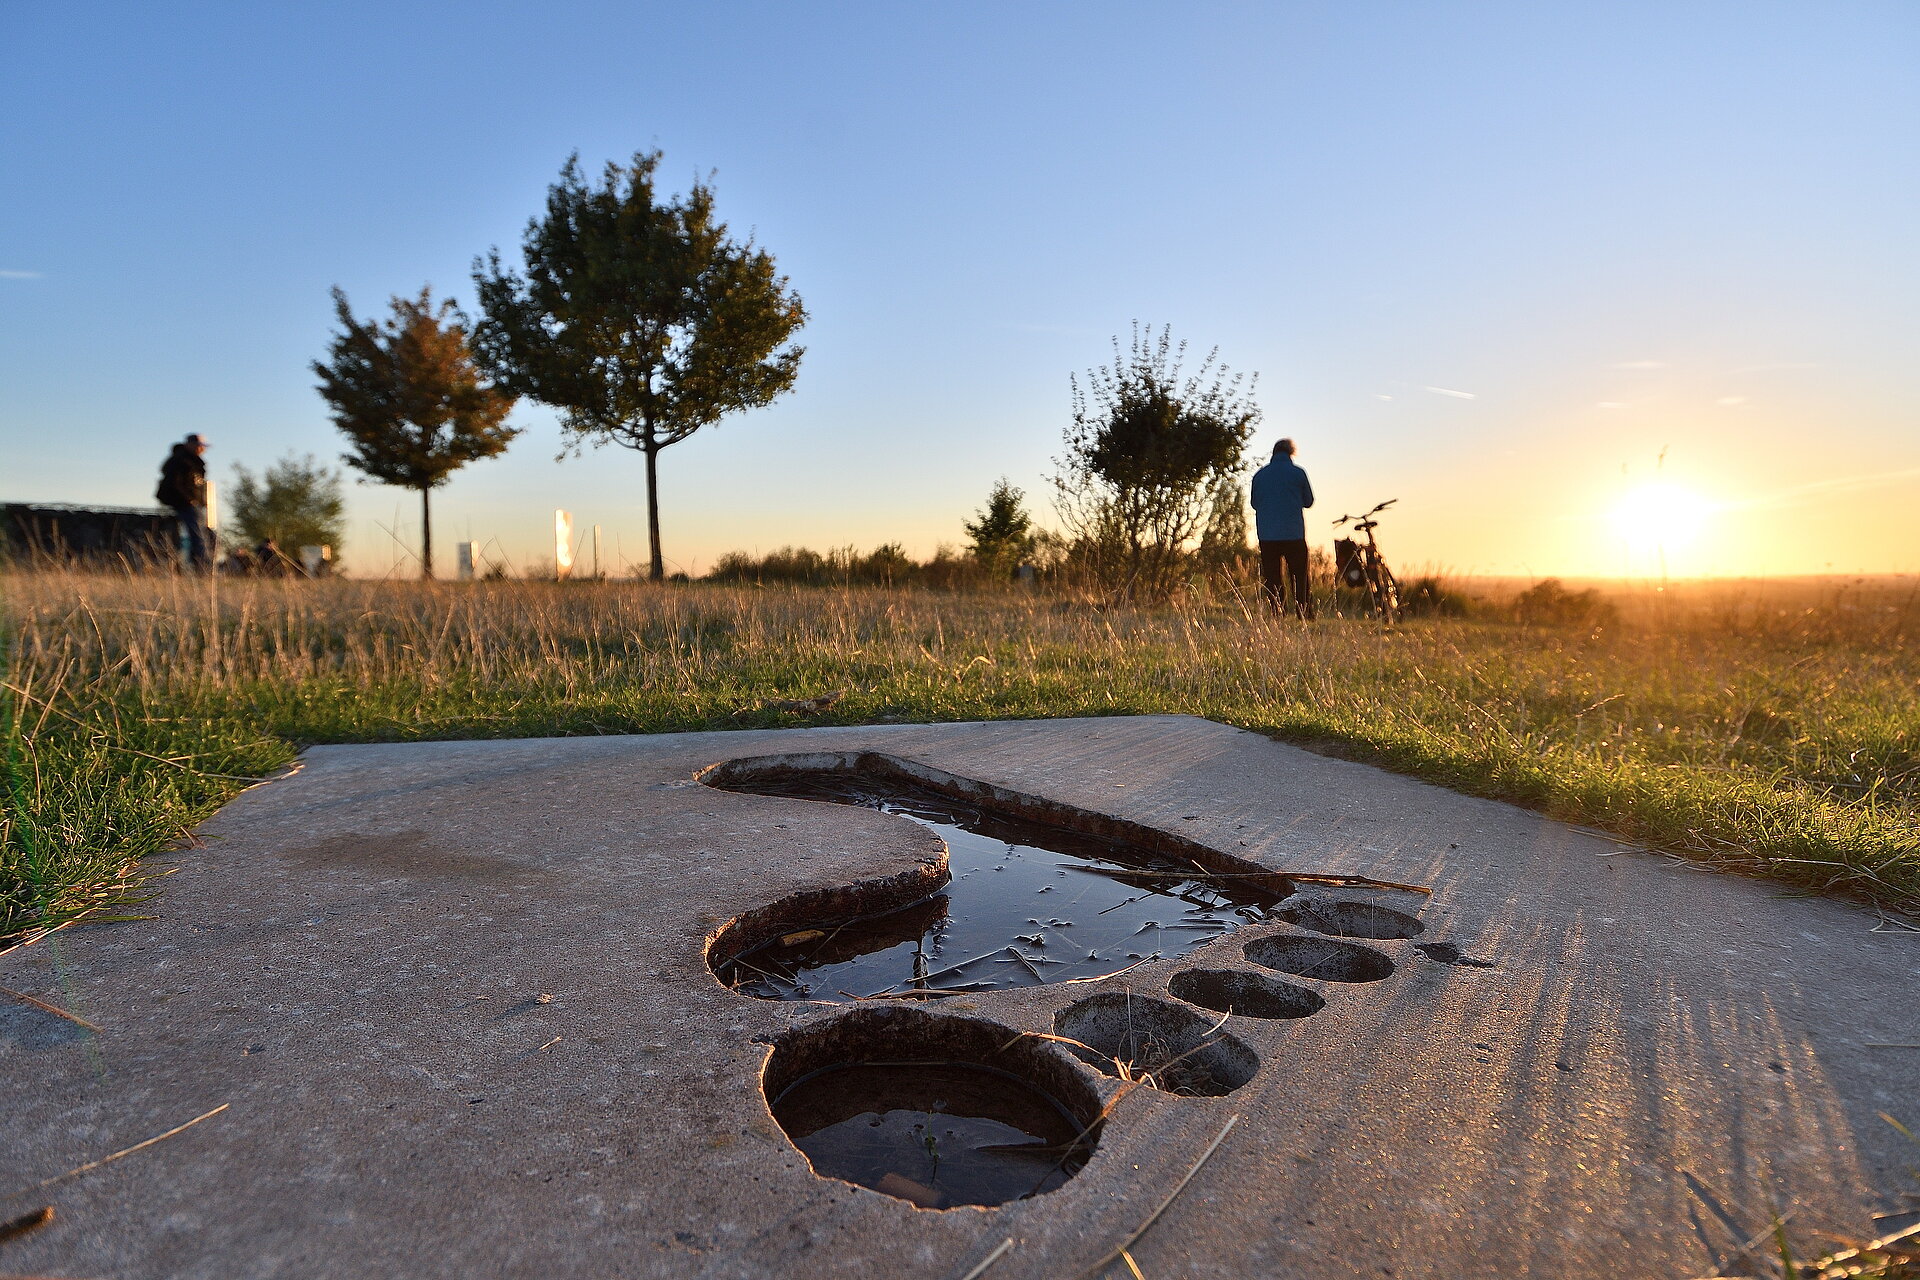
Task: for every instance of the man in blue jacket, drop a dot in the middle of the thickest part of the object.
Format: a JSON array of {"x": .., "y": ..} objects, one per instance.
[{"x": 1281, "y": 496}]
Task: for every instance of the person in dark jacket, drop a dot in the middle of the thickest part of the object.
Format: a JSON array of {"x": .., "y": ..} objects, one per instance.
[
  {"x": 1281, "y": 496},
  {"x": 183, "y": 486}
]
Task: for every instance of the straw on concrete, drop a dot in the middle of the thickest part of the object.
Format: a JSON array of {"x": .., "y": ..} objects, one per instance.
[
  {"x": 55, "y": 1010},
  {"x": 1000, "y": 1251},
  {"x": 1153, "y": 1217},
  {"x": 138, "y": 1146},
  {"x": 26, "y": 1222}
]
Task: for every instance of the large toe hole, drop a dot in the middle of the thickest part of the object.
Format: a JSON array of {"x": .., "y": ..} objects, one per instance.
[
  {"x": 1167, "y": 1046},
  {"x": 1351, "y": 919},
  {"x": 1249, "y": 995},
  {"x": 935, "y": 1110},
  {"x": 1322, "y": 958}
]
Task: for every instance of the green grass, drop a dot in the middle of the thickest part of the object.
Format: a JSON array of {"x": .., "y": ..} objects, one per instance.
[{"x": 1765, "y": 730}]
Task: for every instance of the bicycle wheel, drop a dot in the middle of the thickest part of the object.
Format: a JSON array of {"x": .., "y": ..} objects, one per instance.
[{"x": 1386, "y": 593}]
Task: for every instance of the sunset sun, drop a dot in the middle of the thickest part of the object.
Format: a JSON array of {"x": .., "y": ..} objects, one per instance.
[{"x": 1661, "y": 515}]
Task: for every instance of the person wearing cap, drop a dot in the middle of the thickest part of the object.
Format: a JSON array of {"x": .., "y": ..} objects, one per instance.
[
  {"x": 183, "y": 487},
  {"x": 1281, "y": 496}
]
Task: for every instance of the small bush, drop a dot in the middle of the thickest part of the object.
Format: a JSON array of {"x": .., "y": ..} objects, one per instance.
[
  {"x": 1548, "y": 603},
  {"x": 296, "y": 504},
  {"x": 1429, "y": 596},
  {"x": 886, "y": 565}
]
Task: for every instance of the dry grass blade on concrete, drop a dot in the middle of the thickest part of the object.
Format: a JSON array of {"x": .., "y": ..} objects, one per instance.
[
  {"x": 1121, "y": 1249},
  {"x": 55, "y": 1010},
  {"x": 26, "y": 1222},
  {"x": 1890, "y": 1257},
  {"x": 981, "y": 1267},
  {"x": 91, "y": 1165}
]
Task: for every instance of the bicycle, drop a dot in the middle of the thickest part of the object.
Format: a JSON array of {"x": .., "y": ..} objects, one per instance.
[{"x": 1360, "y": 566}]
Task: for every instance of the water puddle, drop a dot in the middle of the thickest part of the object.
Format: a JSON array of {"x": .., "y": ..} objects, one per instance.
[
  {"x": 936, "y": 1134},
  {"x": 1029, "y": 904}
]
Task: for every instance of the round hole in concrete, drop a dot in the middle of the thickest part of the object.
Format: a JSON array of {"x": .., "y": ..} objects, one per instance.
[
  {"x": 1247, "y": 995},
  {"x": 1167, "y": 1046},
  {"x": 1321, "y": 958},
  {"x": 1352, "y": 920},
  {"x": 932, "y": 1109}
]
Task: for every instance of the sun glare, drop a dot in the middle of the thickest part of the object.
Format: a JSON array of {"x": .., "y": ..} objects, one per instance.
[{"x": 1661, "y": 516}]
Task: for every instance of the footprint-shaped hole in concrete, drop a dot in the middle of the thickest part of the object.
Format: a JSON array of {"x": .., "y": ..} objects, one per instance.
[
  {"x": 1322, "y": 958},
  {"x": 1167, "y": 1046},
  {"x": 1247, "y": 995},
  {"x": 935, "y": 1110},
  {"x": 1352, "y": 920},
  {"x": 1032, "y": 892}
]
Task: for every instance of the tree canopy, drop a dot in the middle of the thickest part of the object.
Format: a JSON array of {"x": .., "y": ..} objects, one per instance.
[
  {"x": 1144, "y": 454},
  {"x": 410, "y": 399},
  {"x": 639, "y": 318},
  {"x": 296, "y": 504},
  {"x": 1004, "y": 532}
]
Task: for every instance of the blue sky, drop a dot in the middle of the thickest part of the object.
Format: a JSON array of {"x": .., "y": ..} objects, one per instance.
[{"x": 1490, "y": 259}]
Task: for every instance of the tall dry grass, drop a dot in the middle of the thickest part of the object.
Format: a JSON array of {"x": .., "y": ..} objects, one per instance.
[{"x": 1762, "y": 727}]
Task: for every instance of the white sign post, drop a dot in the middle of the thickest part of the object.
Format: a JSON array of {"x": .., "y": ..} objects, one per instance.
[
  {"x": 563, "y": 545},
  {"x": 468, "y": 555},
  {"x": 596, "y": 553}
]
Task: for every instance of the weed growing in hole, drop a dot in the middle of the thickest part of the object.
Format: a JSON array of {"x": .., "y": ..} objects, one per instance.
[
  {"x": 932, "y": 1143},
  {"x": 1157, "y": 1066}
]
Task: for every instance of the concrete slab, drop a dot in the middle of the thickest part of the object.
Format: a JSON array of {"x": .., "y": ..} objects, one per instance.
[{"x": 358, "y": 963}]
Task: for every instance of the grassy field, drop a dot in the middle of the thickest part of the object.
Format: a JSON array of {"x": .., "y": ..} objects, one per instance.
[{"x": 1770, "y": 729}]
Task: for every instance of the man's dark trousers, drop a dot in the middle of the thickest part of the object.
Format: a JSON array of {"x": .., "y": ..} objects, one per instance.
[
  {"x": 193, "y": 520},
  {"x": 1285, "y": 563}
]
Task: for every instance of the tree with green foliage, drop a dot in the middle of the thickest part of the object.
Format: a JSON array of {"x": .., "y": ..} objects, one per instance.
[
  {"x": 1144, "y": 454},
  {"x": 297, "y": 503},
  {"x": 408, "y": 395},
  {"x": 639, "y": 319},
  {"x": 1003, "y": 535},
  {"x": 1225, "y": 540}
]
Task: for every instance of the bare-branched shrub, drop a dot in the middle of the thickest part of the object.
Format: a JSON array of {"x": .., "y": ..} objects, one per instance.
[{"x": 1144, "y": 455}]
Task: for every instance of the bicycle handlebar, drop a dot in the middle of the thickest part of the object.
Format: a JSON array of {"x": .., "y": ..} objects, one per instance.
[{"x": 1382, "y": 507}]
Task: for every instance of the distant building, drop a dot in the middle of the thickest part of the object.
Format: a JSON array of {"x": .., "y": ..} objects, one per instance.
[{"x": 59, "y": 533}]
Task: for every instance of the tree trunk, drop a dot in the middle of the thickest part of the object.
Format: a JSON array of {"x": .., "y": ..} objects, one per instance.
[
  {"x": 426, "y": 534},
  {"x": 658, "y": 570}
]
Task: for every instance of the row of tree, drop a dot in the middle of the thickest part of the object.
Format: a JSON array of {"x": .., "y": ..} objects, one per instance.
[{"x": 641, "y": 320}]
